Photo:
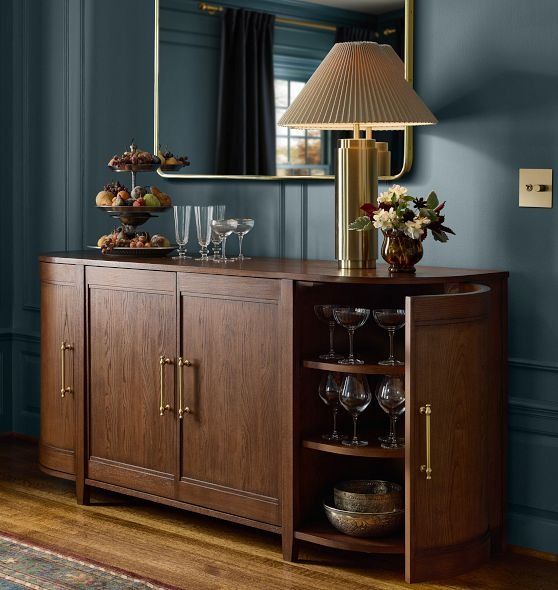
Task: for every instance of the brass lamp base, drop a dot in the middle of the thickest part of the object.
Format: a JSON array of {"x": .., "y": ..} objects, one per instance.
[{"x": 356, "y": 183}]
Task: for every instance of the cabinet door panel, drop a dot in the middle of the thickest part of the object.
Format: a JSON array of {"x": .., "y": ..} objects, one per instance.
[
  {"x": 446, "y": 357},
  {"x": 132, "y": 323},
  {"x": 231, "y": 438},
  {"x": 61, "y": 321}
]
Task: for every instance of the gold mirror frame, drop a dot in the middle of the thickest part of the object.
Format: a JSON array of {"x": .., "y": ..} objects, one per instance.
[{"x": 408, "y": 132}]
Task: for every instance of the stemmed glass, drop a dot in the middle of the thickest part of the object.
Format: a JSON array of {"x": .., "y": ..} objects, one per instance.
[
  {"x": 182, "y": 229},
  {"x": 391, "y": 398},
  {"x": 218, "y": 213},
  {"x": 204, "y": 216},
  {"x": 351, "y": 318},
  {"x": 224, "y": 228},
  {"x": 244, "y": 226},
  {"x": 329, "y": 390},
  {"x": 355, "y": 397},
  {"x": 390, "y": 320},
  {"x": 325, "y": 314}
]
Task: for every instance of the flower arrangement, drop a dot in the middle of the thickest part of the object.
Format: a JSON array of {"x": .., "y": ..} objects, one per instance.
[{"x": 400, "y": 213}]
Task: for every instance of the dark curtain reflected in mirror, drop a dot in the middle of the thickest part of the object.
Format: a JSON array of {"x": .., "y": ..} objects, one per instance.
[
  {"x": 246, "y": 104},
  {"x": 229, "y": 70}
]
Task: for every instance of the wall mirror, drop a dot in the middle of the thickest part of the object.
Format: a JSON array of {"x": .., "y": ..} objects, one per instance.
[{"x": 226, "y": 71}]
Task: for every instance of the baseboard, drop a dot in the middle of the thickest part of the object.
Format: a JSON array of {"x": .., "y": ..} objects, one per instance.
[{"x": 533, "y": 532}]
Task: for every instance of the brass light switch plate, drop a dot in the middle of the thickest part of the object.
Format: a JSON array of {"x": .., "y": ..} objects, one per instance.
[{"x": 535, "y": 187}]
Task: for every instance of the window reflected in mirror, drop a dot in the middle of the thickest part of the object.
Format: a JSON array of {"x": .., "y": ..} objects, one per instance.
[{"x": 228, "y": 71}]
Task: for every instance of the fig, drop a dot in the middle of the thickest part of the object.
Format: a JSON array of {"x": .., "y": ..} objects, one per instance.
[
  {"x": 139, "y": 202},
  {"x": 138, "y": 192}
]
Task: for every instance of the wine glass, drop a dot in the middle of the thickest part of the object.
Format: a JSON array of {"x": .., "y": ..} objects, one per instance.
[
  {"x": 355, "y": 397},
  {"x": 325, "y": 314},
  {"x": 391, "y": 320},
  {"x": 182, "y": 229},
  {"x": 391, "y": 398},
  {"x": 224, "y": 228},
  {"x": 204, "y": 216},
  {"x": 329, "y": 390},
  {"x": 218, "y": 213},
  {"x": 244, "y": 226},
  {"x": 351, "y": 318}
]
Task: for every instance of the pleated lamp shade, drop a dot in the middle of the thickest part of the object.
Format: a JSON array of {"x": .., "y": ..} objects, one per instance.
[{"x": 358, "y": 83}]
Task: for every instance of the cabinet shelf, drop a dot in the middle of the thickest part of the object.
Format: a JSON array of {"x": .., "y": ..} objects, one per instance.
[
  {"x": 369, "y": 368},
  {"x": 372, "y": 450},
  {"x": 322, "y": 533}
]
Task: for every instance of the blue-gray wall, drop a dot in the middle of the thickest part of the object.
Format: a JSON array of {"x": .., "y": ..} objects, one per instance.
[{"x": 82, "y": 72}]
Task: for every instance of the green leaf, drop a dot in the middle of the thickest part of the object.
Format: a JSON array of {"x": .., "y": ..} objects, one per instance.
[
  {"x": 363, "y": 223},
  {"x": 432, "y": 201},
  {"x": 439, "y": 236}
]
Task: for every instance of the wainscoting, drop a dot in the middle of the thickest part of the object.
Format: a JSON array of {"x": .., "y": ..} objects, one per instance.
[{"x": 75, "y": 106}]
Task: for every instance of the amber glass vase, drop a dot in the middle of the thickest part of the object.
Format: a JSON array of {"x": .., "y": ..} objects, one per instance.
[{"x": 400, "y": 251}]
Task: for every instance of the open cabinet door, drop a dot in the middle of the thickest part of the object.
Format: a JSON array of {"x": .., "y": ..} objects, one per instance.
[{"x": 447, "y": 524}]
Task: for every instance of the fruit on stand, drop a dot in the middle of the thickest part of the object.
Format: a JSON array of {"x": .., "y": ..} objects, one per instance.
[
  {"x": 138, "y": 192},
  {"x": 124, "y": 195},
  {"x": 169, "y": 160},
  {"x": 118, "y": 239},
  {"x": 115, "y": 188},
  {"x": 151, "y": 200},
  {"x": 104, "y": 199},
  {"x": 134, "y": 158},
  {"x": 139, "y": 202}
]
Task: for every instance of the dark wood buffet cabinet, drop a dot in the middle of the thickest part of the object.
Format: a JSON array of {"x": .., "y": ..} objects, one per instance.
[{"x": 195, "y": 385}]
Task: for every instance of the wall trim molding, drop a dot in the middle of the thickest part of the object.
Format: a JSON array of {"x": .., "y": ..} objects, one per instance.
[
  {"x": 533, "y": 417},
  {"x": 521, "y": 363}
]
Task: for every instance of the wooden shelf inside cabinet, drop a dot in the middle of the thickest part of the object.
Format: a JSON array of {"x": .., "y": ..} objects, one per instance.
[
  {"x": 322, "y": 533},
  {"x": 369, "y": 368},
  {"x": 372, "y": 450}
]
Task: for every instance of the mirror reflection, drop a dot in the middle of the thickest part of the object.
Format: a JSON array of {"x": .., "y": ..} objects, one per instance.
[{"x": 228, "y": 71}]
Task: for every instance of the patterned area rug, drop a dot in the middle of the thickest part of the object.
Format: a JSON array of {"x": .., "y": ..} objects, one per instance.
[{"x": 27, "y": 566}]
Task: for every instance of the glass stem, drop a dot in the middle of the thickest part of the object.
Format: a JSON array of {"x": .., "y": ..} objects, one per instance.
[
  {"x": 392, "y": 431},
  {"x": 335, "y": 411},
  {"x": 203, "y": 252},
  {"x": 182, "y": 250},
  {"x": 391, "y": 351},
  {"x": 351, "y": 334},
  {"x": 240, "y": 238},
  {"x": 223, "y": 244},
  {"x": 331, "y": 332},
  {"x": 355, "y": 437}
]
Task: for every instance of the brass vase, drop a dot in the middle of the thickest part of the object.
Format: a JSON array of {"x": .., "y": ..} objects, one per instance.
[{"x": 400, "y": 251}]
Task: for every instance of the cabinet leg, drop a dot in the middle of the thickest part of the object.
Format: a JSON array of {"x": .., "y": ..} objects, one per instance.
[
  {"x": 83, "y": 494},
  {"x": 290, "y": 548}
]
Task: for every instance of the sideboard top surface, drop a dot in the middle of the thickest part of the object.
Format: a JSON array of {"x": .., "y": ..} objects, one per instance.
[{"x": 278, "y": 268}]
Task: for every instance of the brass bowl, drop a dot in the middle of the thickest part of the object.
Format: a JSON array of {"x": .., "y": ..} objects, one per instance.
[
  {"x": 368, "y": 495},
  {"x": 364, "y": 524}
]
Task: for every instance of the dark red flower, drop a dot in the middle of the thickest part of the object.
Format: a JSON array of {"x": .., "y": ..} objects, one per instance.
[
  {"x": 440, "y": 207},
  {"x": 369, "y": 209}
]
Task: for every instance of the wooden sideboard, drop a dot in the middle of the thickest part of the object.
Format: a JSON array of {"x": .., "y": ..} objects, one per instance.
[{"x": 195, "y": 385}]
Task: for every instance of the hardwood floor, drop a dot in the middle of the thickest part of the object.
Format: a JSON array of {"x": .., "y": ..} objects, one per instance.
[{"x": 198, "y": 553}]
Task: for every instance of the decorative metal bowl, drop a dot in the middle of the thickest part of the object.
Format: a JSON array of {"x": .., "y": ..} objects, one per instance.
[
  {"x": 136, "y": 167},
  {"x": 364, "y": 524},
  {"x": 368, "y": 495},
  {"x": 159, "y": 252},
  {"x": 132, "y": 217},
  {"x": 172, "y": 167}
]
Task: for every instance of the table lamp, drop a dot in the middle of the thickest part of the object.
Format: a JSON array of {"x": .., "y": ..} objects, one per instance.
[{"x": 358, "y": 86}]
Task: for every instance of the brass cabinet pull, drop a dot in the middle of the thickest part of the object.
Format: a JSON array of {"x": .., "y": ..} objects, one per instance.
[
  {"x": 163, "y": 360},
  {"x": 181, "y": 411},
  {"x": 64, "y": 389},
  {"x": 426, "y": 410}
]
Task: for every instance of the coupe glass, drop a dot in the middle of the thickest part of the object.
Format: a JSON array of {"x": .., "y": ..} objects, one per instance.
[
  {"x": 325, "y": 314},
  {"x": 182, "y": 229},
  {"x": 329, "y": 390},
  {"x": 355, "y": 397},
  {"x": 204, "y": 216},
  {"x": 390, "y": 320},
  {"x": 351, "y": 318},
  {"x": 244, "y": 226},
  {"x": 224, "y": 228},
  {"x": 218, "y": 213},
  {"x": 391, "y": 398}
]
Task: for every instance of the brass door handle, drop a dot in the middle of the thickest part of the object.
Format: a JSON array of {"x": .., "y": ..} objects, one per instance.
[
  {"x": 64, "y": 389},
  {"x": 163, "y": 360},
  {"x": 426, "y": 410},
  {"x": 181, "y": 411}
]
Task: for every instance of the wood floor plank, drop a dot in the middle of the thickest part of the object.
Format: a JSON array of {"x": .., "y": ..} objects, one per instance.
[{"x": 196, "y": 552}]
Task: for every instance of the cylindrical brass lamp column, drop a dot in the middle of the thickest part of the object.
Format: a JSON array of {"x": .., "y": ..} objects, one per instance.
[{"x": 356, "y": 183}]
